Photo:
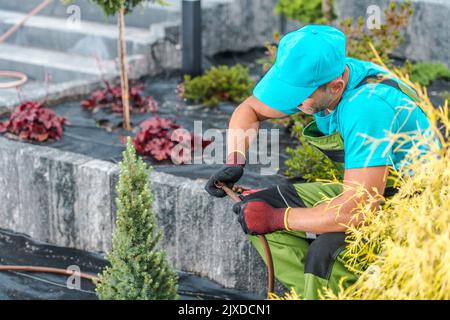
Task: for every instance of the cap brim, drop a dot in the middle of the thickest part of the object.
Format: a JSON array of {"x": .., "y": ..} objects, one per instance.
[{"x": 280, "y": 95}]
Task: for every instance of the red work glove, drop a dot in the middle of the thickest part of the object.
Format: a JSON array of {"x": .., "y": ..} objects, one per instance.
[{"x": 258, "y": 217}]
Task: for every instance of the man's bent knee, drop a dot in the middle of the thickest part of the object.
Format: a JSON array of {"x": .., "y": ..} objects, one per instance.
[{"x": 323, "y": 252}]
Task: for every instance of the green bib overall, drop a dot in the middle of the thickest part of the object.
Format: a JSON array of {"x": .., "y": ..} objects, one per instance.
[{"x": 308, "y": 263}]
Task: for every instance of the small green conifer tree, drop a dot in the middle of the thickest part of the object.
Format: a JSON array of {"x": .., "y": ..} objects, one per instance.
[{"x": 138, "y": 270}]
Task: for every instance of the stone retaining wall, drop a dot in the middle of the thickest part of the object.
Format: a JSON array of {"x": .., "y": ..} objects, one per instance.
[
  {"x": 68, "y": 199},
  {"x": 239, "y": 25}
]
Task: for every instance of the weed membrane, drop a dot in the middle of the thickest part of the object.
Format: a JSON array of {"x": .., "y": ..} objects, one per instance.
[
  {"x": 18, "y": 249},
  {"x": 97, "y": 134}
]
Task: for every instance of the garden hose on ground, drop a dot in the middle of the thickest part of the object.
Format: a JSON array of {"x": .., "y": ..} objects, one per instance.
[
  {"x": 49, "y": 270},
  {"x": 269, "y": 261},
  {"x": 22, "y": 78},
  {"x": 233, "y": 195}
]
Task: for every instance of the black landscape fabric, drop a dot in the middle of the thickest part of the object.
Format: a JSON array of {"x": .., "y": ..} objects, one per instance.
[
  {"x": 18, "y": 249},
  {"x": 84, "y": 136}
]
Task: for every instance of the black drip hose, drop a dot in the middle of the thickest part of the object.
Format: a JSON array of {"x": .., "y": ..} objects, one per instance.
[{"x": 269, "y": 261}]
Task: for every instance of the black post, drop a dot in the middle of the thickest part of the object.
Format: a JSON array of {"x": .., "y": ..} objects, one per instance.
[
  {"x": 192, "y": 37},
  {"x": 283, "y": 22}
]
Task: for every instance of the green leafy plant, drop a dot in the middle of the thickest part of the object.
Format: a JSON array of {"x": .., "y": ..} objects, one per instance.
[
  {"x": 220, "y": 83},
  {"x": 306, "y": 11},
  {"x": 111, "y": 7},
  {"x": 446, "y": 95},
  {"x": 271, "y": 52},
  {"x": 386, "y": 39},
  {"x": 306, "y": 161},
  {"x": 138, "y": 270},
  {"x": 426, "y": 72}
]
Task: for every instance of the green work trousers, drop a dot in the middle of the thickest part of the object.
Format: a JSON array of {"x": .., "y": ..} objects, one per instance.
[{"x": 305, "y": 262}]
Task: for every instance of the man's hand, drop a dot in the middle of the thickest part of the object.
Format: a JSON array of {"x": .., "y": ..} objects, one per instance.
[
  {"x": 258, "y": 217},
  {"x": 228, "y": 174},
  {"x": 245, "y": 119}
]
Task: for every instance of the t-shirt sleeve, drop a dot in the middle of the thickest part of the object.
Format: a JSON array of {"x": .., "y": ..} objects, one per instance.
[
  {"x": 288, "y": 111},
  {"x": 282, "y": 108},
  {"x": 365, "y": 126}
]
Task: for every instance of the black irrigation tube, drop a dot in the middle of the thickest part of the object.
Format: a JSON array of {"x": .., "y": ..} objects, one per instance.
[
  {"x": 86, "y": 276},
  {"x": 48, "y": 270},
  {"x": 234, "y": 196},
  {"x": 270, "y": 268}
]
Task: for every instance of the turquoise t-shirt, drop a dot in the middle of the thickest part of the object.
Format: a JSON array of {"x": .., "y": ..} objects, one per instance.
[{"x": 370, "y": 112}]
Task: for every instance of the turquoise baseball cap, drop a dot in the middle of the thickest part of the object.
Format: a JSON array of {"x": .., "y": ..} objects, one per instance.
[{"x": 306, "y": 59}]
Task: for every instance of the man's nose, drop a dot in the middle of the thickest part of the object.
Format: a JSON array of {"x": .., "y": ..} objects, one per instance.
[{"x": 305, "y": 104}]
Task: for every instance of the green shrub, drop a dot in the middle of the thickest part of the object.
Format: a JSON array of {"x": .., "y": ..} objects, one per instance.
[
  {"x": 306, "y": 161},
  {"x": 306, "y": 11},
  {"x": 220, "y": 83},
  {"x": 426, "y": 72},
  {"x": 385, "y": 39},
  {"x": 138, "y": 270},
  {"x": 111, "y": 7},
  {"x": 271, "y": 52},
  {"x": 446, "y": 95}
]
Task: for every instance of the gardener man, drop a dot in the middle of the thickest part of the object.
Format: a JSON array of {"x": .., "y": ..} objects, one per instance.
[{"x": 351, "y": 101}]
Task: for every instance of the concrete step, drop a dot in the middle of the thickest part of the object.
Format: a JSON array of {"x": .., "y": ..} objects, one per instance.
[
  {"x": 143, "y": 16},
  {"x": 52, "y": 93},
  {"x": 88, "y": 38},
  {"x": 12, "y": 97},
  {"x": 37, "y": 63}
]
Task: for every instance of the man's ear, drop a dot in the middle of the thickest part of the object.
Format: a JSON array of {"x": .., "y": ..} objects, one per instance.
[{"x": 337, "y": 85}]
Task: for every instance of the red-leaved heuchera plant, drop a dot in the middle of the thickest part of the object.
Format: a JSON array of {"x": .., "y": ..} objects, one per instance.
[
  {"x": 32, "y": 121},
  {"x": 154, "y": 138},
  {"x": 111, "y": 96},
  {"x": 158, "y": 136}
]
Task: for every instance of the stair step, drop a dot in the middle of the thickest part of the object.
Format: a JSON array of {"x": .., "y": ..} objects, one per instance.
[
  {"x": 36, "y": 63},
  {"x": 88, "y": 38},
  {"x": 51, "y": 93},
  {"x": 143, "y": 15},
  {"x": 10, "y": 98}
]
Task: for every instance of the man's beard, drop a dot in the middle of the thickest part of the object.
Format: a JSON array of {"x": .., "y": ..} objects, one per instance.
[
  {"x": 317, "y": 109},
  {"x": 323, "y": 105}
]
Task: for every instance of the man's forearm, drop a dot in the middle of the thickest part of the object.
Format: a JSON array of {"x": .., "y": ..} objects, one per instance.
[
  {"x": 332, "y": 216},
  {"x": 242, "y": 129}
]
